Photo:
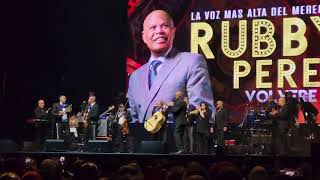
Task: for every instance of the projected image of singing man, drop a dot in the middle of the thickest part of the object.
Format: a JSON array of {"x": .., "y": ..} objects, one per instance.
[{"x": 167, "y": 70}]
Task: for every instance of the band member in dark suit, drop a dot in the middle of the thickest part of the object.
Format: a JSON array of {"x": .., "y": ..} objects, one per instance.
[
  {"x": 270, "y": 105},
  {"x": 202, "y": 128},
  {"x": 40, "y": 111},
  {"x": 221, "y": 121},
  {"x": 93, "y": 110},
  {"x": 41, "y": 114},
  {"x": 121, "y": 128},
  {"x": 292, "y": 104},
  {"x": 85, "y": 102},
  {"x": 92, "y": 117},
  {"x": 60, "y": 112},
  {"x": 191, "y": 119},
  {"x": 310, "y": 114},
  {"x": 179, "y": 107},
  {"x": 281, "y": 120}
]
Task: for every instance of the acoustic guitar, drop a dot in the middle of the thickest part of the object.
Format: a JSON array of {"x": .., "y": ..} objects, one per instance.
[
  {"x": 110, "y": 108},
  {"x": 154, "y": 124}
]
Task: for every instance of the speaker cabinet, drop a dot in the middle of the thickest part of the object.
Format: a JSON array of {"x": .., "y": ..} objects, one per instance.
[
  {"x": 100, "y": 146},
  {"x": 55, "y": 145},
  {"x": 153, "y": 147},
  {"x": 8, "y": 146}
]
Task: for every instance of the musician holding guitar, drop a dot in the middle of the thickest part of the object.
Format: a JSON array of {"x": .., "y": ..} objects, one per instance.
[
  {"x": 121, "y": 128},
  {"x": 90, "y": 118},
  {"x": 159, "y": 113},
  {"x": 156, "y": 125}
]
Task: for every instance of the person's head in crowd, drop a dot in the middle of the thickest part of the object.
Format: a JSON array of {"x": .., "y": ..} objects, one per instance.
[
  {"x": 158, "y": 168},
  {"x": 195, "y": 168},
  {"x": 75, "y": 166},
  {"x": 175, "y": 172},
  {"x": 13, "y": 164},
  {"x": 30, "y": 164},
  {"x": 31, "y": 175},
  {"x": 9, "y": 176},
  {"x": 195, "y": 177},
  {"x": 258, "y": 173},
  {"x": 49, "y": 169},
  {"x": 224, "y": 171},
  {"x": 41, "y": 103},
  {"x": 62, "y": 99},
  {"x": 158, "y": 32},
  {"x": 130, "y": 171},
  {"x": 87, "y": 170}
]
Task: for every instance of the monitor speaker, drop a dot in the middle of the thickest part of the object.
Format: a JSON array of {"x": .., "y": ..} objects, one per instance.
[
  {"x": 55, "y": 145},
  {"x": 153, "y": 147},
  {"x": 8, "y": 146},
  {"x": 100, "y": 146}
]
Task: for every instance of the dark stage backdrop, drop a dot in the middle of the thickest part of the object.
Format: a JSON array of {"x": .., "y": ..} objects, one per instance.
[
  {"x": 59, "y": 47},
  {"x": 254, "y": 48}
]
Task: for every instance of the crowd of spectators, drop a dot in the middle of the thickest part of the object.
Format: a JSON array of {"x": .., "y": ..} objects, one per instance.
[{"x": 56, "y": 168}]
